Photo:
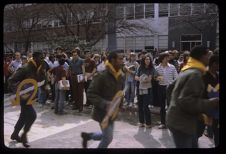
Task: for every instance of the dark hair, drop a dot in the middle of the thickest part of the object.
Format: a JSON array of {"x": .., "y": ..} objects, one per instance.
[
  {"x": 37, "y": 54},
  {"x": 213, "y": 59},
  {"x": 142, "y": 64},
  {"x": 112, "y": 55},
  {"x": 162, "y": 56},
  {"x": 103, "y": 58},
  {"x": 51, "y": 57},
  {"x": 61, "y": 61},
  {"x": 59, "y": 56},
  {"x": 76, "y": 51},
  {"x": 198, "y": 51}
]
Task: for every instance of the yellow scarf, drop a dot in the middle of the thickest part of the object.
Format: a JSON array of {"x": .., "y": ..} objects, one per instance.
[
  {"x": 33, "y": 62},
  {"x": 193, "y": 63},
  {"x": 112, "y": 70}
]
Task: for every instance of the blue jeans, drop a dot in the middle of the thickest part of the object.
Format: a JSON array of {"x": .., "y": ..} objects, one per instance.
[
  {"x": 130, "y": 92},
  {"x": 144, "y": 112},
  {"x": 59, "y": 99},
  {"x": 105, "y": 136},
  {"x": 183, "y": 140},
  {"x": 41, "y": 96}
]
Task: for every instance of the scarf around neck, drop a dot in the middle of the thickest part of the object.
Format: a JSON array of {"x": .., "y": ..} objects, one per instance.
[
  {"x": 115, "y": 73},
  {"x": 35, "y": 64},
  {"x": 193, "y": 63}
]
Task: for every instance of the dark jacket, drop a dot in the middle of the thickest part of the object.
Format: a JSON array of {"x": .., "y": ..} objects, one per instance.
[
  {"x": 187, "y": 102},
  {"x": 102, "y": 90},
  {"x": 27, "y": 71}
]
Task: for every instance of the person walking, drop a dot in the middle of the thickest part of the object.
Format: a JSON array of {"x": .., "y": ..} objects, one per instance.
[
  {"x": 187, "y": 102},
  {"x": 101, "y": 92},
  {"x": 27, "y": 115}
]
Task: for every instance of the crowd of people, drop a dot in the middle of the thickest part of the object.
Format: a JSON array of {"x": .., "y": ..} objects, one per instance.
[{"x": 147, "y": 76}]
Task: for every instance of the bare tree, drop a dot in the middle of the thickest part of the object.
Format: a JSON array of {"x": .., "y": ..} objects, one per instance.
[
  {"x": 87, "y": 24},
  {"x": 23, "y": 20},
  {"x": 201, "y": 19}
]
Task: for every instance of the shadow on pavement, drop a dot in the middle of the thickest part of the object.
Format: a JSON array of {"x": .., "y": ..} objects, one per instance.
[{"x": 146, "y": 139}]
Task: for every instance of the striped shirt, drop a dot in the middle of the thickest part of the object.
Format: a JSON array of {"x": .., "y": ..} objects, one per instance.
[{"x": 169, "y": 74}]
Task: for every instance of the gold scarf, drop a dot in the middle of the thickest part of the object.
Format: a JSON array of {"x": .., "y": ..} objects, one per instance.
[
  {"x": 193, "y": 63},
  {"x": 112, "y": 70},
  {"x": 35, "y": 64}
]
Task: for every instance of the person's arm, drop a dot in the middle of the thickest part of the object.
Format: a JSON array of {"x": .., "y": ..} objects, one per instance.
[
  {"x": 94, "y": 93},
  {"x": 84, "y": 72},
  {"x": 175, "y": 74},
  {"x": 17, "y": 77},
  {"x": 93, "y": 72},
  {"x": 10, "y": 67},
  {"x": 189, "y": 99},
  {"x": 137, "y": 75}
]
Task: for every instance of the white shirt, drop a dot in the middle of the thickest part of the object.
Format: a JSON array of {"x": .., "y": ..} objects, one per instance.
[
  {"x": 169, "y": 74},
  {"x": 101, "y": 67}
]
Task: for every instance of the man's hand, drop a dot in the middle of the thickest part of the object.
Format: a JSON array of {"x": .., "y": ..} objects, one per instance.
[
  {"x": 215, "y": 101},
  {"x": 159, "y": 78}
]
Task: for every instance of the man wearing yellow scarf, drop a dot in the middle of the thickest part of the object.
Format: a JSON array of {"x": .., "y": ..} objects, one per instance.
[
  {"x": 187, "y": 102},
  {"x": 102, "y": 90},
  {"x": 28, "y": 115}
]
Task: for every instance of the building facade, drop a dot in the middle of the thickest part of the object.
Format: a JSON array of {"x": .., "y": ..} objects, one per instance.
[
  {"x": 166, "y": 26},
  {"x": 193, "y": 24}
]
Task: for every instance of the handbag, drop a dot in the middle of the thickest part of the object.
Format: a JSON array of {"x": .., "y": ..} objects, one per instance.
[{"x": 64, "y": 85}]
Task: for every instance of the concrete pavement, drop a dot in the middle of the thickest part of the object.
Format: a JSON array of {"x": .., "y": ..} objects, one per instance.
[{"x": 63, "y": 131}]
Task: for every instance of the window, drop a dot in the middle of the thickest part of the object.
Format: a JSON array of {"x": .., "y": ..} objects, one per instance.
[
  {"x": 27, "y": 23},
  {"x": 8, "y": 27},
  {"x": 211, "y": 8},
  {"x": 149, "y": 10},
  {"x": 49, "y": 25},
  {"x": 61, "y": 23},
  {"x": 55, "y": 23},
  {"x": 185, "y": 9},
  {"x": 130, "y": 11},
  {"x": 197, "y": 8},
  {"x": 188, "y": 41},
  {"x": 163, "y": 10},
  {"x": 38, "y": 26},
  {"x": 190, "y": 37},
  {"x": 120, "y": 12},
  {"x": 139, "y": 11},
  {"x": 173, "y": 9}
]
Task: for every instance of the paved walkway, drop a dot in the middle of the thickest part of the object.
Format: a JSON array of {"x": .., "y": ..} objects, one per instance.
[{"x": 55, "y": 131}]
